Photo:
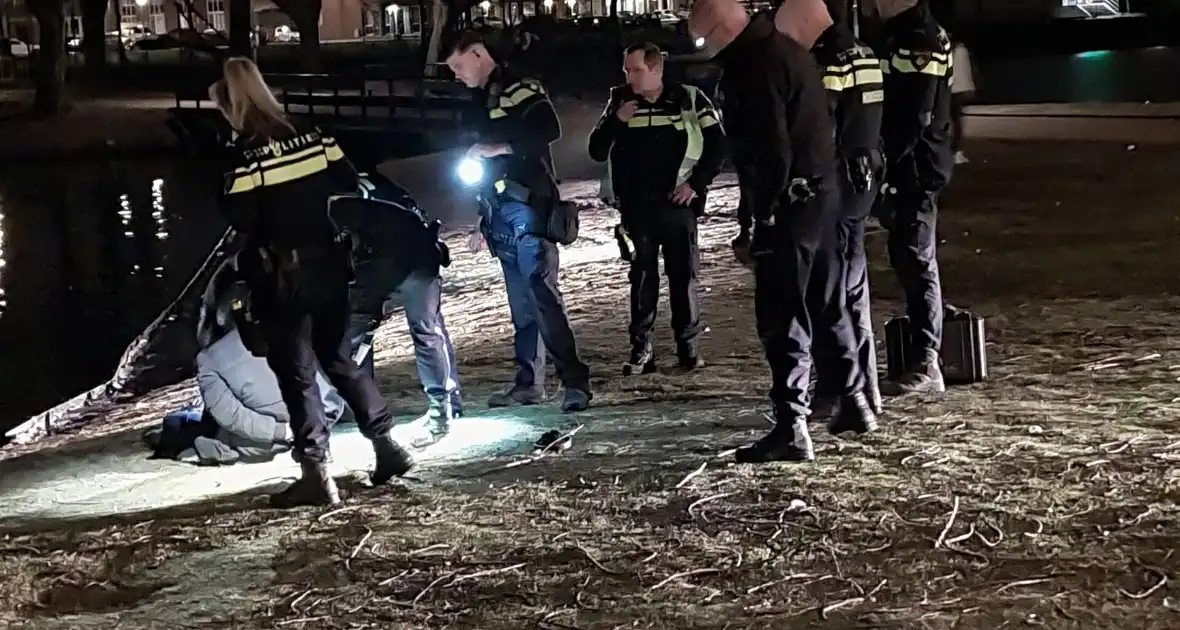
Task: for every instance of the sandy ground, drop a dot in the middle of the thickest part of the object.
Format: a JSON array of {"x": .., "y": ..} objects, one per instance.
[{"x": 1046, "y": 496}]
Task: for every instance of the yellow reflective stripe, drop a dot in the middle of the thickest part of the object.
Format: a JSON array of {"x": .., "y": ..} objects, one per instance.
[
  {"x": 520, "y": 92},
  {"x": 655, "y": 121},
  {"x": 508, "y": 101},
  {"x": 332, "y": 150},
  {"x": 707, "y": 119},
  {"x": 936, "y": 56},
  {"x": 906, "y": 65},
  {"x": 280, "y": 170},
  {"x": 695, "y": 142},
  {"x": 243, "y": 183},
  {"x": 280, "y": 160},
  {"x": 838, "y": 82},
  {"x": 868, "y": 76},
  {"x": 294, "y": 170},
  {"x": 514, "y": 95}
]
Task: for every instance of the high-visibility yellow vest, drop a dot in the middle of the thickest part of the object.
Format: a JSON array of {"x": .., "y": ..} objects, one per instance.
[{"x": 694, "y": 147}]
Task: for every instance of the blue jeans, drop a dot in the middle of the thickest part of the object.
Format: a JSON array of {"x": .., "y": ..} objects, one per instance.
[
  {"x": 438, "y": 368},
  {"x": 530, "y": 265}
]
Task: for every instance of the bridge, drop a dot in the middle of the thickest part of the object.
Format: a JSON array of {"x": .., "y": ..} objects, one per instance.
[{"x": 374, "y": 114}]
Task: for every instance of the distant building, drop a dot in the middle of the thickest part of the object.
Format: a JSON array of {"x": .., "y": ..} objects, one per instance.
[
  {"x": 1032, "y": 10},
  {"x": 339, "y": 19}
]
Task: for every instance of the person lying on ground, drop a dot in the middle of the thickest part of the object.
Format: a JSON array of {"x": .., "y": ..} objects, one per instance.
[{"x": 240, "y": 415}]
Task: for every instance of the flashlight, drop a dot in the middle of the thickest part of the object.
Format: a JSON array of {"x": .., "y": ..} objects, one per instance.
[
  {"x": 699, "y": 42},
  {"x": 470, "y": 171}
]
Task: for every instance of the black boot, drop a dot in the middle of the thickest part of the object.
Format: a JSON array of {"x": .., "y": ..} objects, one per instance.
[
  {"x": 392, "y": 460},
  {"x": 688, "y": 358},
  {"x": 788, "y": 441},
  {"x": 924, "y": 378},
  {"x": 641, "y": 361},
  {"x": 853, "y": 414},
  {"x": 315, "y": 487},
  {"x": 517, "y": 396},
  {"x": 824, "y": 408}
]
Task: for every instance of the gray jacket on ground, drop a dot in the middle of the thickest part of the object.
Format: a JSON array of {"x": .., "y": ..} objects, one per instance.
[{"x": 242, "y": 394}]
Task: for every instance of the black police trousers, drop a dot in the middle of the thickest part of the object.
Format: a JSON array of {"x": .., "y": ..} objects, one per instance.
[
  {"x": 833, "y": 380},
  {"x": 305, "y": 323},
  {"x": 438, "y": 369},
  {"x": 674, "y": 230},
  {"x": 530, "y": 264},
  {"x": 912, "y": 254},
  {"x": 798, "y": 299}
]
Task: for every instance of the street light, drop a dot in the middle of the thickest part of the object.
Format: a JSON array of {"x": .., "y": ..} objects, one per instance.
[
  {"x": 141, "y": 3},
  {"x": 548, "y": 5},
  {"x": 485, "y": 5}
]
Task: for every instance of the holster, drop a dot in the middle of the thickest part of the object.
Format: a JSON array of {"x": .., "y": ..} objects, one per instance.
[{"x": 245, "y": 316}]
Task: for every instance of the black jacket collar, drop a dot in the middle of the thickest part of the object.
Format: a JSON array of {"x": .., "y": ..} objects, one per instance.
[{"x": 760, "y": 28}]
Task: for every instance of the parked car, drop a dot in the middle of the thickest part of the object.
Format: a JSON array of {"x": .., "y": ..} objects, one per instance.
[
  {"x": 183, "y": 38},
  {"x": 667, "y": 18},
  {"x": 285, "y": 33}
]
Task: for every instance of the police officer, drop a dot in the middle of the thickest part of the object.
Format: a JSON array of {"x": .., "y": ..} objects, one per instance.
[
  {"x": 398, "y": 257},
  {"x": 852, "y": 76},
  {"x": 516, "y": 124},
  {"x": 298, "y": 272},
  {"x": 664, "y": 145},
  {"x": 784, "y": 149},
  {"x": 917, "y": 134}
]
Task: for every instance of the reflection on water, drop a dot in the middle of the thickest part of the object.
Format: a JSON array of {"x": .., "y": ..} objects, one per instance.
[{"x": 86, "y": 266}]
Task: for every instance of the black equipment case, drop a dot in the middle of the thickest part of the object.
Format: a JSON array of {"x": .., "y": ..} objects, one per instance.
[{"x": 964, "y": 356}]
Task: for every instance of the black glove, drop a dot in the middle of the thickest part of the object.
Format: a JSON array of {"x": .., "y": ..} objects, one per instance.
[
  {"x": 763, "y": 241},
  {"x": 741, "y": 247},
  {"x": 883, "y": 206},
  {"x": 444, "y": 252}
]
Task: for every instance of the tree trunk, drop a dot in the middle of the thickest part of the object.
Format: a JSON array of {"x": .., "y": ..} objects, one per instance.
[
  {"x": 94, "y": 44},
  {"x": 241, "y": 24},
  {"x": 306, "y": 16},
  {"x": 49, "y": 70},
  {"x": 438, "y": 24},
  {"x": 614, "y": 8}
]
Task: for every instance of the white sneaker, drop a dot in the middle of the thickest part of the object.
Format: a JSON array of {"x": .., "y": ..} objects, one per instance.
[{"x": 961, "y": 158}]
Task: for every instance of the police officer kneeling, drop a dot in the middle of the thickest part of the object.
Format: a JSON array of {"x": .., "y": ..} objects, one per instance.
[
  {"x": 298, "y": 271},
  {"x": 519, "y": 207},
  {"x": 783, "y": 143},
  {"x": 664, "y": 145}
]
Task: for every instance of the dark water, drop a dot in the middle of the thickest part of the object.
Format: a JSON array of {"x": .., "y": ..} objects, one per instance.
[
  {"x": 92, "y": 252},
  {"x": 1148, "y": 74}
]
